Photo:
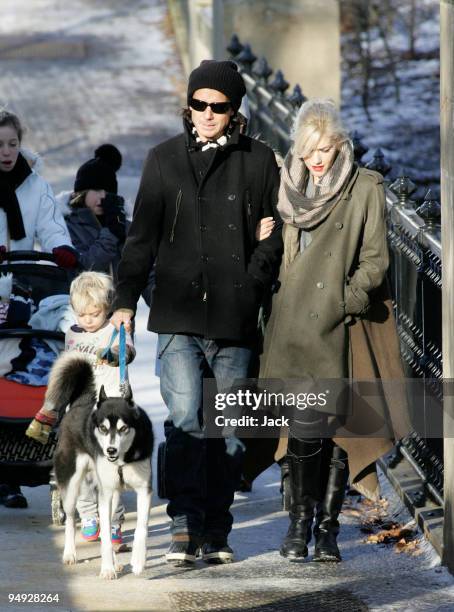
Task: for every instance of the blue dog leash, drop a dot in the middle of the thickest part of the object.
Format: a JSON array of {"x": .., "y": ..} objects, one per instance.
[{"x": 121, "y": 356}]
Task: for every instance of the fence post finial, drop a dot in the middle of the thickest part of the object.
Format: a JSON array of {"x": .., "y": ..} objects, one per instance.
[
  {"x": 246, "y": 58},
  {"x": 430, "y": 211},
  {"x": 379, "y": 163},
  {"x": 296, "y": 98},
  {"x": 279, "y": 84},
  {"x": 234, "y": 46},
  {"x": 262, "y": 70},
  {"x": 403, "y": 187},
  {"x": 359, "y": 148}
]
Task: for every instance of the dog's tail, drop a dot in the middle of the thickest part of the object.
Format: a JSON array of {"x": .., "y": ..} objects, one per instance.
[{"x": 71, "y": 378}]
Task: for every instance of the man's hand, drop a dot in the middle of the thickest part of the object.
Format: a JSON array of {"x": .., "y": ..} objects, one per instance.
[{"x": 122, "y": 316}]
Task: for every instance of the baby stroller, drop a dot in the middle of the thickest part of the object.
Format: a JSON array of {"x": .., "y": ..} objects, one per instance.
[{"x": 24, "y": 461}]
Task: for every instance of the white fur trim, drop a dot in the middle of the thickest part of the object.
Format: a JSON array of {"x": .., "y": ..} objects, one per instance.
[
  {"x": 62, "y": 200},
  {"x": 34, "y": 160}
]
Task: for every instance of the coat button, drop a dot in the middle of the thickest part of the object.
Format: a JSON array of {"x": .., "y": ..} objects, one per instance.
[
  {"x": 235, "y": 257},
  {"x": 313, "y": 315},
  {"x": 204, "y": 258},
  {"x": 203, "y": 228},
  {"x": 195, "y": 284},
  {"x": 232, "y": 226},
  {"x": 231, "y": 196},
  {"x": 237, "y": 285},
  {"x": 338, "y": 225},
  {"x": 320, "y": 285},
  {"x": 342, "y": 304}
]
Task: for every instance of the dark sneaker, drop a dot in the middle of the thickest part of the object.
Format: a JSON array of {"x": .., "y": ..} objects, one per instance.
[
  {"x": 182, "y": 552},
  {"x": 244, "y": 486},
  {"x": 217, "y": 552},
  {"x": 5, "y": 490}
]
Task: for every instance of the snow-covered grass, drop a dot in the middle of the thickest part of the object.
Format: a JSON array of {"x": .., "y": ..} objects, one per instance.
[{"x": 407, "y": 128}]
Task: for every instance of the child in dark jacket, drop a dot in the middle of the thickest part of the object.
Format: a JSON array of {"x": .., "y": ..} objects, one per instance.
[{"x": 94, "y": 213}]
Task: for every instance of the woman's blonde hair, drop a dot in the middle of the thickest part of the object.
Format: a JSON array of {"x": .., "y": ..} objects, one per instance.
[
  {"x": 316, "y": 119},
  {"x": 91, "y": 289}
]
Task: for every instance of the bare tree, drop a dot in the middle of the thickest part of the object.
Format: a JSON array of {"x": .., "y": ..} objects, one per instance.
[
  {"x": 412, "y": 29},
  {"x": 383, "y": 10}
]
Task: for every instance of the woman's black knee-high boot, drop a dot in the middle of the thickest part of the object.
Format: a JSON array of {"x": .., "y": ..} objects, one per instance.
[
  {"x": 326, "y": 528},
  {"x": 304, "y": 468}
]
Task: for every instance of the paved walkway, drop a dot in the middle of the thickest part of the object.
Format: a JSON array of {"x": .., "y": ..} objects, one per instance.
[
  {"x": 80, "y": 73},
  {"x": 371, "y": 577}
]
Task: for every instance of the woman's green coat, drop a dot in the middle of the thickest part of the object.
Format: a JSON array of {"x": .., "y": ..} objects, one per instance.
[{"x": 326, "y": 291}]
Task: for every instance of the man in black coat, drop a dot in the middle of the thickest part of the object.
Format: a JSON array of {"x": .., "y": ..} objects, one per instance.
[{"x": 200, "y": 198}]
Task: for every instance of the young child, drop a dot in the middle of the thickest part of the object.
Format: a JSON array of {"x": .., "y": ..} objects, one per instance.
[{"x": 91, "y": 296}]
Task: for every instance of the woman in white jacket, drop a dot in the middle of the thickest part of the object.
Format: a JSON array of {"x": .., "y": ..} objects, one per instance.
[{"x": 28, "y": 213}]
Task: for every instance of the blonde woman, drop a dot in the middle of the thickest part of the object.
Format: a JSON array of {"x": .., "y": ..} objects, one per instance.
[{"x": 335, "y": 260}]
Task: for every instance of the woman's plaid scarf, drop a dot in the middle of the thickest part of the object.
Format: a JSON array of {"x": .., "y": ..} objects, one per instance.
[{"x": 304, "y": 210}]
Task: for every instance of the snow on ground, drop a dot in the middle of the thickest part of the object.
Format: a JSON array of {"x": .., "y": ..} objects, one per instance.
[
  {"x": 407, "y": 130},
  {"x": 122, "y": 85}
]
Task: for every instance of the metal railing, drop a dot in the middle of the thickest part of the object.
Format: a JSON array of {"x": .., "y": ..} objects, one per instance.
[{"x": 414, "y": 238}]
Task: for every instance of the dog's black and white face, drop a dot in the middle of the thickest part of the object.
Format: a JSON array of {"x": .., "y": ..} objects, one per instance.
[{"x": 114, "y": 420}]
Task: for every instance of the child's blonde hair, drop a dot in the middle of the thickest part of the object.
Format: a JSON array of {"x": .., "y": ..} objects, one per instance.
[
  {"x": 315, "y": 119},
  {"x": 91, "y": 289}
]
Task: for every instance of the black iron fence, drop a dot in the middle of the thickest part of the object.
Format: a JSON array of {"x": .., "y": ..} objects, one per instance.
[{"x": 414, "y": 237}]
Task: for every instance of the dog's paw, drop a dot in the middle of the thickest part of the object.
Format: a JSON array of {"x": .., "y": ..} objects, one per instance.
[
  {"x": 138, "y": 563},
  {"x": 137, "y": 568},
  {"x": 118, "y": 567},
  {"x": 69, "y": 558},
  {"x": 108, "y": 573}
]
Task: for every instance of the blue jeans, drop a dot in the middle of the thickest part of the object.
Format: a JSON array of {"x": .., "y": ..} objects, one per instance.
[{"x": 199, "y": 472}]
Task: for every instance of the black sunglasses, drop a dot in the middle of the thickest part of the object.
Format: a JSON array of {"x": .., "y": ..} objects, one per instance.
[{"x": 219, "y": 108}]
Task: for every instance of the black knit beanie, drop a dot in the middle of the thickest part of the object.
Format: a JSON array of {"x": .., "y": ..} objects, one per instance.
[
  {"x": 100, "y": 172},
  {"x": 221, "y": 76}
]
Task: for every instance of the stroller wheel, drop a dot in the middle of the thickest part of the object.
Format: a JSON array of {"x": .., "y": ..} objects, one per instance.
[{"x": 58, "y": 515}]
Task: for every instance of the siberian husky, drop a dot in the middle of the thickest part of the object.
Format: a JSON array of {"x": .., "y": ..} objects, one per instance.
[{"x": 113, "y": 438}]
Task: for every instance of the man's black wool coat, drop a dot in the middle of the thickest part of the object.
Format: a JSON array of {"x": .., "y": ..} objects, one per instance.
[{"x": 210, "y": 271}]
